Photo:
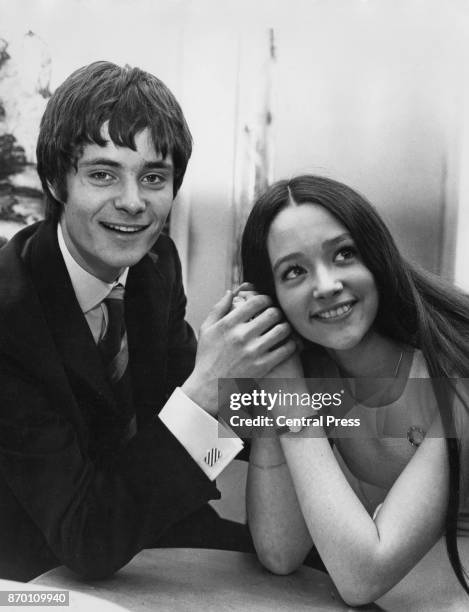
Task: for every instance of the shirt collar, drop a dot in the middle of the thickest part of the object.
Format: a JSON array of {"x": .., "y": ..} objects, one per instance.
[{"x": 89, "y": 290}]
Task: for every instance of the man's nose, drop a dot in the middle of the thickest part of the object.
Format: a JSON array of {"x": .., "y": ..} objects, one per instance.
[
  {"x": 326, "y": 283},
  {"x": 130, "y": 198}
]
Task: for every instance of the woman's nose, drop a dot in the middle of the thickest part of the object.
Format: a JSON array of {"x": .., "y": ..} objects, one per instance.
[{"x": 326, "y": 284}]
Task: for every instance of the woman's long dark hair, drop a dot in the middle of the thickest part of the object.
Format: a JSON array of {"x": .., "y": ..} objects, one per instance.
[{"x": 415, "y": 307}]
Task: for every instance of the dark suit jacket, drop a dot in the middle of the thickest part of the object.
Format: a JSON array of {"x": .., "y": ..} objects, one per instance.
[{"x": 70, "y": 493}]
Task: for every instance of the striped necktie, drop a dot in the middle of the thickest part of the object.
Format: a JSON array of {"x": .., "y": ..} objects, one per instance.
[
  {"x": 113, "y": 345},
  {"x": 115, "y": 354}
]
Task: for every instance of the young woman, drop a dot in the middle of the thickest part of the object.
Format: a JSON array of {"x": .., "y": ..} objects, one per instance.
[{"x": 363, "y": 312}]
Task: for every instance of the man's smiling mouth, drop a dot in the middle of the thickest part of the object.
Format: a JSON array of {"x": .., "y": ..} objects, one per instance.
[{"x": 124, "y": 229}]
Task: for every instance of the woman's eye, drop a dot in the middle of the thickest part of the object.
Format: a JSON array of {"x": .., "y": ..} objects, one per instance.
[
  {"x": 345, "y": 254},
  {"x": 292, "y": 272}
]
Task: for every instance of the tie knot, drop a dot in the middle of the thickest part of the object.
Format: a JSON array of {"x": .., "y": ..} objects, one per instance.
[{"x": 116, "y": 293}]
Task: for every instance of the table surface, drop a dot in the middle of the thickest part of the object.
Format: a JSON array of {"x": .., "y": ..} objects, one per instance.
[
  {"x": 431, "y": 586},
  {"x": 210, "y": 580},
  {"x": 179, "y": 579}
]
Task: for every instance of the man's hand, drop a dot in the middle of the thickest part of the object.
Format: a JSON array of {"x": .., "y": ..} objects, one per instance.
[
  {"x": 242, "y": 342},
  {"x": 289, "y": 368}
]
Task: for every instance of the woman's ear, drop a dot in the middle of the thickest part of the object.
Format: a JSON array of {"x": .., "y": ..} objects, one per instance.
[{"x": 54, "y": 192}]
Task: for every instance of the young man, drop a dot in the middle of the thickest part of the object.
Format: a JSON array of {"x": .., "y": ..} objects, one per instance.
[{"x": 100, "y": 456}]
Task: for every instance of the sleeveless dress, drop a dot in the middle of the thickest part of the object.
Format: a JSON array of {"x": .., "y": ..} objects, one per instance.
[{"x": 374, "y": 455}]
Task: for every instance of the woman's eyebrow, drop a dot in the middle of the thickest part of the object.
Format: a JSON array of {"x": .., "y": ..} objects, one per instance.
[
  {"x": 327, "y": 244},
  {"x": 333, "y": 241},
  {"x": 285, "y": 258}
]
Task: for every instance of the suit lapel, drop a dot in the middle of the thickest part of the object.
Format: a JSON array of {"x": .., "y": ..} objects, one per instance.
[
  {"x": 63, "y": 314},
  {"x": 146, "y": 313}
]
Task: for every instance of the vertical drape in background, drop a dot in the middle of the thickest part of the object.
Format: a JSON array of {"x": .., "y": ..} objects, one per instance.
[{"x": 254, "y": 141}]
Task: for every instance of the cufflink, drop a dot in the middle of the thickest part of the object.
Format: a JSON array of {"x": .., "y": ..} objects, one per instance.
[{"x": 212, "y": 456}]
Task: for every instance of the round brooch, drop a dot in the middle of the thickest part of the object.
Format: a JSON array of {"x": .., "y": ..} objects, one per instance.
[{"x": 415, "y": 435}]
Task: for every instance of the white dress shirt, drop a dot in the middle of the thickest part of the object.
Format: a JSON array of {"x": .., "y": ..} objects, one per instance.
[{"x": 210, "y": 443}]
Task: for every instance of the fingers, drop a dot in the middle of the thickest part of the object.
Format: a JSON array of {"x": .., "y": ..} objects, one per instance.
[
  {"x": 278, "y": 355},
  {"x": 275, "y": 336},
  {"x": 238, "y": 300},
  {"x": 243, "y": 293},
  {"x": 242, "y": 297},
  {"x": 245, "y": 310},
  {"x": 244, "y": 287},
  {"x": 266, "y": 320},
  {"x": 266, "y": 317},
  {"x": 221, "y": 308},
  {"x": 246, "y": 295}
]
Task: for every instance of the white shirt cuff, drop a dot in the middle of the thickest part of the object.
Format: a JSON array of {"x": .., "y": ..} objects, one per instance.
[{"x": 200, "y": 434}]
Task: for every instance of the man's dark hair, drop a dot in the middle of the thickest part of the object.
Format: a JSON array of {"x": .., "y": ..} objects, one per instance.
[{"x": 130, "y": 99}]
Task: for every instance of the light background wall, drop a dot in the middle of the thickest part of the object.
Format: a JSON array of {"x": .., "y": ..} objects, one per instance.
[{"x": 369, "y": 92}]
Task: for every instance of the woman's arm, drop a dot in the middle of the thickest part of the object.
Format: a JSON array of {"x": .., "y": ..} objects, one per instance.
[
  {"x": 366, "y": 557},
  {"x": 281, "y": 537},
  {"x": 310, "y": 500},
  {"x": 280, "y": 534}
]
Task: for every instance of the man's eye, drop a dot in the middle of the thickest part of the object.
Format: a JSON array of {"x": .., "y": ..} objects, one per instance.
[
  {"x": 101, "y": 176},
  {"x": 152, "y": 179},
  {"x": 346, "y": 254},
  {"x": 292, "y": 272}
]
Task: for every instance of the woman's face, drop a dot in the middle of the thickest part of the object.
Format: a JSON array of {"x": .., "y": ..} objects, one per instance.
[{"x": 323, "y": 287}]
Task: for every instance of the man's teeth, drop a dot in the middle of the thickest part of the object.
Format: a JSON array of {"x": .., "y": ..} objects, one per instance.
[
  {"x": 124, "y": 228},
  {"x": 329, "y": 314}
]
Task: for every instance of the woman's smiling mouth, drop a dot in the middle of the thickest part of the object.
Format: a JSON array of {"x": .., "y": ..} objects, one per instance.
[{"x": 334, "y": 314}]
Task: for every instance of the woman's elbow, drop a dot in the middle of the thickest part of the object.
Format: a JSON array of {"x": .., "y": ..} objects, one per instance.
[
  {"x": 355, "y": 598},
  {"x": 279, "y": 562},
  {"x": 360, "y": 591}
]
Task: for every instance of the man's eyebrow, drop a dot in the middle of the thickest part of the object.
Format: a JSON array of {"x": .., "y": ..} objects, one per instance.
[{"x": 104, "y": 161}]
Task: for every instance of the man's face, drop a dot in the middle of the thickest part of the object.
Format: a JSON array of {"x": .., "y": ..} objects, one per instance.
[{"x": 117, "y": 204}]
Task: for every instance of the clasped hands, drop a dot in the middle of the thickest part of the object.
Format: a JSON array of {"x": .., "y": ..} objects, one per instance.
[{"x": 244, "y": 336}]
